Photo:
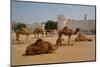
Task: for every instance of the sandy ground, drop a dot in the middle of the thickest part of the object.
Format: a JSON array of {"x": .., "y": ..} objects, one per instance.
[{"x": 80, "y": 51}]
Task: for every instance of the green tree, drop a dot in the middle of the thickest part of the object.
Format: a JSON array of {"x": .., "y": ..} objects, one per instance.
[
  {"x": 51, "y": 25},
  {"x": 19, "y": 26}
]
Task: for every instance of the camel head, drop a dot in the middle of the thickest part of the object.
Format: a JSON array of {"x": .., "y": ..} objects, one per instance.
[
  {"x": 77, "y": 30},
  {"x": 39, "y": 40}
]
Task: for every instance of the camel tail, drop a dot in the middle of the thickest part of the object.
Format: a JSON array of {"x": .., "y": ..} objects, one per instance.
[
  {"x": 90, "y": 40},
  {"x": 26, "y": 54},
  {"x": 77, "y": 30}
]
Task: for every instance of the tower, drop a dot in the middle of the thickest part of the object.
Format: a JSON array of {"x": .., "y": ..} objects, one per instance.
[
  {"x": 85, "y": 17},
  {"x": 61, "y": 22}
]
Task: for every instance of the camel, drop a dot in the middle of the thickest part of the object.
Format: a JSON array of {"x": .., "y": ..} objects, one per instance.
[
  {"x": 67, "y": 31},
  {"x": 40, "y": 47},
  {"x": 27, "y": 32},
  {"x": 82, "y": 38},
  {"x": 59, "y": 41},
  {"x": 51, "y": 32},
  {"x": 38, "y": 31},
  {"x": 23, "y": 31}
]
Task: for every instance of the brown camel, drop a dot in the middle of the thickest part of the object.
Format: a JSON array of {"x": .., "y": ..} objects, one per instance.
[
  {"x": 69, "y": 32},
  {"x": 40, "y": 47},
  {"x": 38, "y": 31},
  {"x": 49, "y": 32},
  {"x": 27, "y": 32},
  {"x": 82, "y": 38},
  {"x": 23, "y": 31},
  {"x": 59, "y": 41}
]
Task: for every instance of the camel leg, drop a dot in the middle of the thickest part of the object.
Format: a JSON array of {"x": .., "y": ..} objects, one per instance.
[
  {"x": 42, "y": 34},
  {"x": 27, "y": 37},
  {"x": 34, "y": 35},
  {"x": 52, "y": 33},
  {"x": 69, "y": 41},
  {"x": 46, "y": 33},
  {"x": 37, "y": 35},
  {"x": 17, "y": 37}
]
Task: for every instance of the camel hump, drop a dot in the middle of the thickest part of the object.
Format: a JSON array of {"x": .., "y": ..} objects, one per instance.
[{"x": 47, "y": 44}]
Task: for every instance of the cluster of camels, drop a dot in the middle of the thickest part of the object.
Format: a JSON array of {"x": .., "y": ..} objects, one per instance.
[
  {"x": 37, "y": 31},
  {"x": 43, "y": 47},
  {"x": 28, "y": 31}
]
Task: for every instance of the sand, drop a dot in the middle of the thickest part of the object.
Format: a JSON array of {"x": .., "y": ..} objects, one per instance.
[{"x": 80, "y": 51}]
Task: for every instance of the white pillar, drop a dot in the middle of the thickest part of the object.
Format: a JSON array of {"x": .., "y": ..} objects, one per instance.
[{"x": 61, "y": 22}]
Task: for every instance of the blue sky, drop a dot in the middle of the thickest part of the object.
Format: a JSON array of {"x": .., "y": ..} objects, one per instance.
[{"x": 30, "y": 12}]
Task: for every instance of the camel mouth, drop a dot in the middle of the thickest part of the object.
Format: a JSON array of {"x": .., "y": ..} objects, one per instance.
[{"x": 24, "y": 54}]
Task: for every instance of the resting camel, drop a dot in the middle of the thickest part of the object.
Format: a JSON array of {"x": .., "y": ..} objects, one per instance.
[
  {"x": 67, "y": 31},
  {"x": 82, "y": 38},
  {"x": 40, "y": 47}
]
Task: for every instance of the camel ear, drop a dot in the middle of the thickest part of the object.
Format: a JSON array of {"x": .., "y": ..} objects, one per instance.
[{"x": 39, "y": 40}]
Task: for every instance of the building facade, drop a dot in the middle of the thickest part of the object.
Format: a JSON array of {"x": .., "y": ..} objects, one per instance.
[
  {"x": 37, "y": 25},
  {"x": 86, "y": 26}
]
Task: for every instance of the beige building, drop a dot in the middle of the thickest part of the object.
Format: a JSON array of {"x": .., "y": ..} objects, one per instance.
[
  {"x": 86, "y": 26},
  {"x": 37, "y": 25}
]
